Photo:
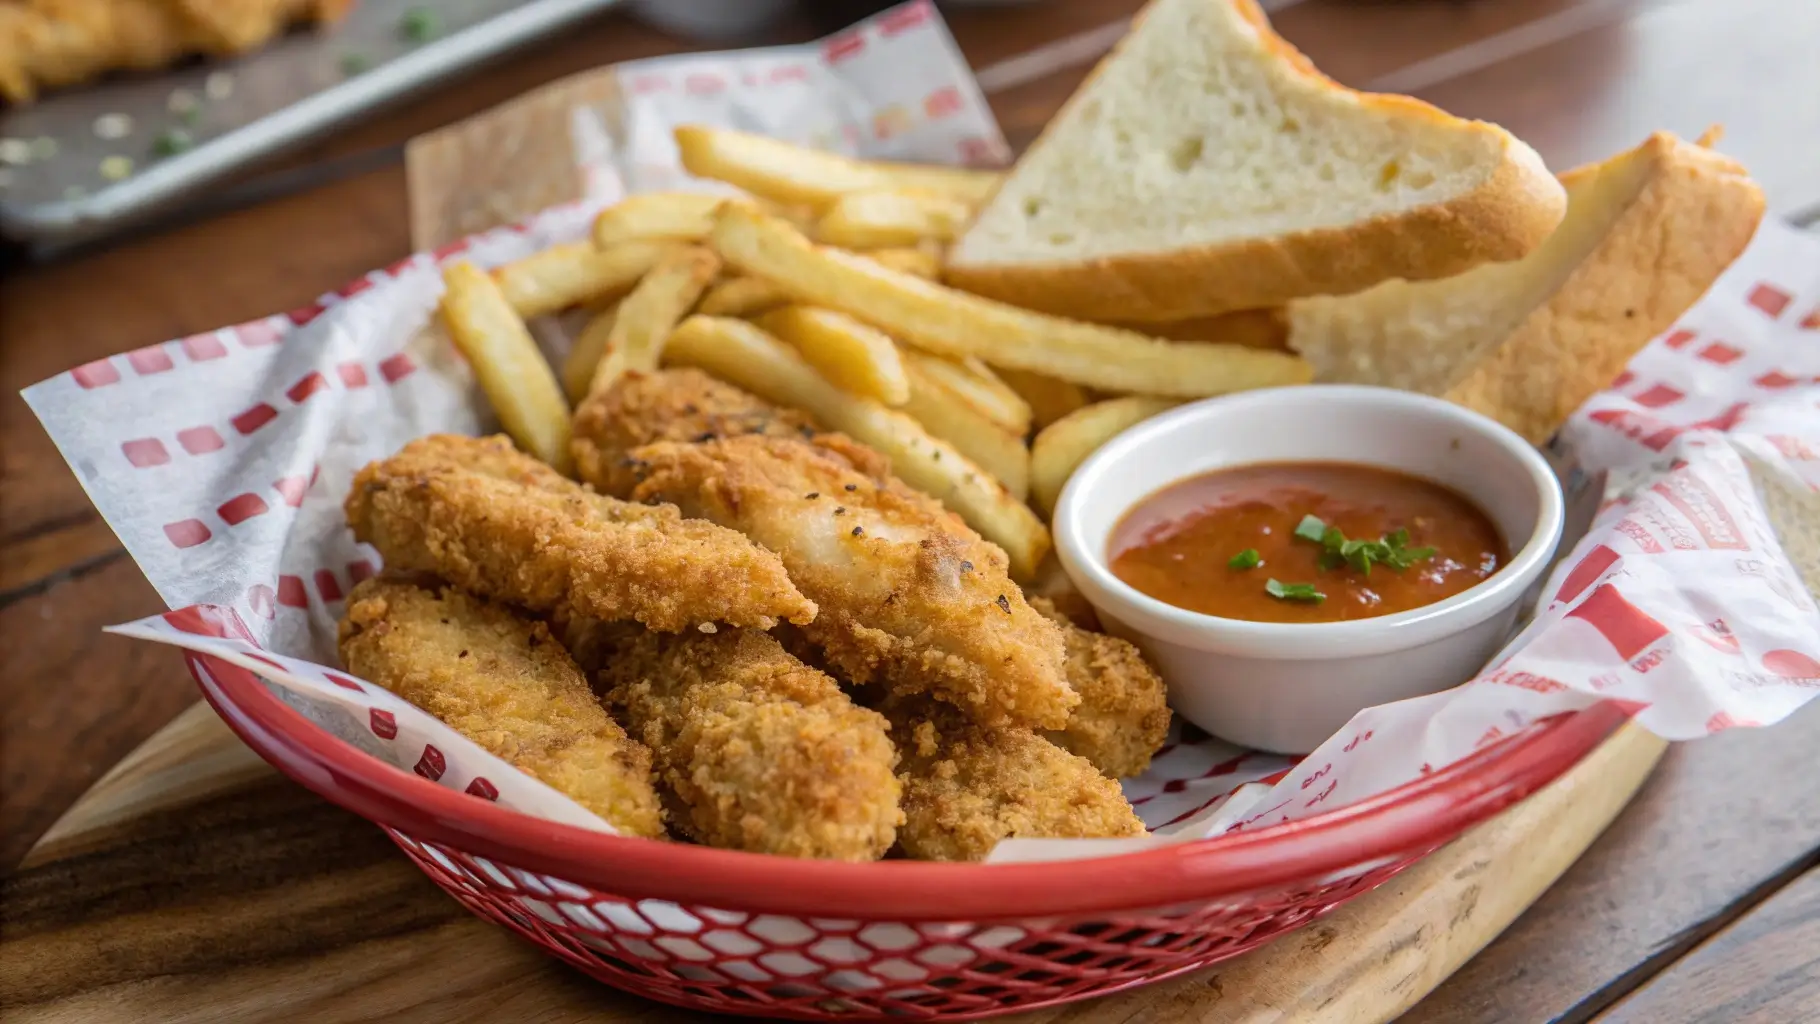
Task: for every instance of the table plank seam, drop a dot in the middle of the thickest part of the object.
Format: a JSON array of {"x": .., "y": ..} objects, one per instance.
[
  {"x": 45, "y": 527},
  {"x": 1684, "y": 943},
  {"x": 67, "y": 574}
]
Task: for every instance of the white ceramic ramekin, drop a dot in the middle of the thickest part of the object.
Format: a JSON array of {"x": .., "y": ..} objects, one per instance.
[{"x": 1286, "y": 687}]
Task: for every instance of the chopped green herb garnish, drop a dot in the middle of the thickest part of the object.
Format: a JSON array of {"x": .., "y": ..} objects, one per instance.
[
  {"x": 353, "y": 63},
  {"x": 172, "y": 141},
  {"x": 1293, "y": 591},
  {"x": 1392, "y": 550},
  {"x": 1402, "y": 555},
  {"x": 418, "y": 25},
  {"x": 190, "y": 115},
  {"x": 1311, "y": 528},
  {"x": 1246, "y": 559}
]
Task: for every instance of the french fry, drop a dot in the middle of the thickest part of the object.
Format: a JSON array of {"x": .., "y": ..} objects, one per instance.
[
  {"x": 748, "y": 296},
  {"x": 743, "y": 296},
  {"x": 668, "y": 216},
  {"x": 648, "y": 315},
  {"x": 744, "y": 355},
  {"x": 517, "y": 379},
  {"x": 794, "y": 175},
  {"x": 920, "y": 262},
  {"x": 1253, "y": 328},
  {"x": 895, "y": 217},
  {"x": 954, "y": 323},
  {"x": 1049, "y": 399},
  {"x": 585, "y": 355},
  {"x": 574, "y": 274},
  {"x": 1063, "y": 445},
  {"x": 973, "y": 382},
  {"x": 855, "y": 357},
  {"x": 959, "y": 422}
]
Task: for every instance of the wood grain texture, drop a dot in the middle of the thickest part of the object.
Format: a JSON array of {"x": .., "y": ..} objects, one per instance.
[
  {"x": 193, "y": 884},
  {"x": 1763, "y": 969},
  {"x": 75, "y": 699},
  {"x": 1723, "y": 820}
]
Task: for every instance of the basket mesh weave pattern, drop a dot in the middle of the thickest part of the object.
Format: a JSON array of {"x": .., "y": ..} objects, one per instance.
[{"x": 731, "y": 961}]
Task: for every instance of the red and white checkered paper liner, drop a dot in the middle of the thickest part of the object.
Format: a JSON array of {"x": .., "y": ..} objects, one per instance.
[{"x": 221, "y": 460}]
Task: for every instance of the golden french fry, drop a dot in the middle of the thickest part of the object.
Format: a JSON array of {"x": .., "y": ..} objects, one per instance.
[
  {"x": 953, "y": 323},
  {"x": 920, "y": 262},
  {"x": 1049, "y": 399},
  {"x": 743, "y": 296},
  {"x": 854, "y": 356},
  {"x": 517, "y": 379},
  {"x": 744, "y": 355},
  {"x": 896, "y": 217},
  {"x": 650, "y": 313},
  {"x": 585, "y": 355},
  {"x": 795, "y": 175},
  {"x": 1253, "y": 328},
  {"x": 664, "y": 216},
  {"x": 748, "y": 296},
  {"x": 959, "y": 422},
  {"x": 973, "y": 382},
  {"x": 1063, "y": 445},
  {"x": 573, "y": 274}
]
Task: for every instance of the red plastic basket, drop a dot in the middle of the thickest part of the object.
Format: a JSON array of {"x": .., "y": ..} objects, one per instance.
[{"x": 814, "y": 940}]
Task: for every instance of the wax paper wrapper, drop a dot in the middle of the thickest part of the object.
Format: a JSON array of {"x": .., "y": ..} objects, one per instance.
[{"x": 222, "y": 459}]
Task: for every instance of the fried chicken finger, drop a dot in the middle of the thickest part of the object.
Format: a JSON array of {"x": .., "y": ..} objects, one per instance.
[
  {"x": 908, "y": 595},
  {"x": 1123, "y": 716},
  {"x": 505, "y": 683},
  {"x": 756, "y": 750},
  {"x": 967, "y": 787},
  {"x": 667, "y": 405},
  {"x": 498, "y": 523}
]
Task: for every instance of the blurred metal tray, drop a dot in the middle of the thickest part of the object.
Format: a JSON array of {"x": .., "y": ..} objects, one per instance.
[{"x": 301, "y": 86}]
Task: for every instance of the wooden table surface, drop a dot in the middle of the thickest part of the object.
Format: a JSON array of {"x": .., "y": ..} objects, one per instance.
[{"x": 1697, "y": 905}]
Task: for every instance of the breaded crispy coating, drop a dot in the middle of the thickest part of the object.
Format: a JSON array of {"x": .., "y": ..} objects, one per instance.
[
  {"x": 504, "y": 682},
  {"x": 1123, "y": 715},
  {"x": 755, "y": 750},
  {"x": 669, "y": 405},
  {"x": 46, "y": 44},
  {"x": 908, "y": 595},
  {"x": 1053, "y": 585},
  {"x": 499, "y": 523},
  {"x": 967, "y": 787},
  {"x": 591, "y": 642}
]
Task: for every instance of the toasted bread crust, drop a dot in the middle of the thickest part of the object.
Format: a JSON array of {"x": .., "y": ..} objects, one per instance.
[
  {"x": 1693, "y": 216},
  {"x": 1511, "y": 212}
]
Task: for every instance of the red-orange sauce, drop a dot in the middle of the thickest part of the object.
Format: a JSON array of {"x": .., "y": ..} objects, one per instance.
[{"x": 1177, "y": 544}]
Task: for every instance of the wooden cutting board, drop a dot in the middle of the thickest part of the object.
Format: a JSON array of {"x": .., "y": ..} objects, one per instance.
[{"x": 194, "y": 884}]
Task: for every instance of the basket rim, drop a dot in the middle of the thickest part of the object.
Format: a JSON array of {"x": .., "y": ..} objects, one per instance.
[{"x": 1403, "y": 822}]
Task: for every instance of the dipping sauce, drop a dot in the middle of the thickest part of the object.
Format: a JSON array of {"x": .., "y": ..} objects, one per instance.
[{"x": 1305, "y": 542}]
